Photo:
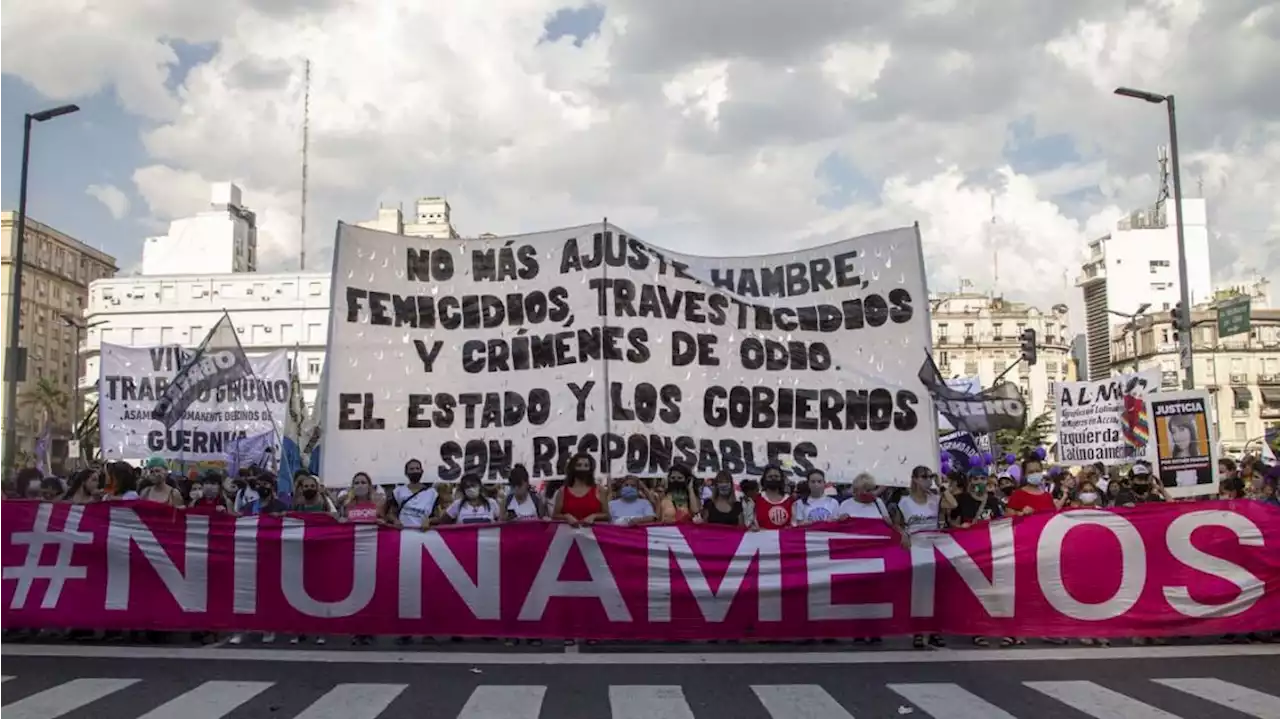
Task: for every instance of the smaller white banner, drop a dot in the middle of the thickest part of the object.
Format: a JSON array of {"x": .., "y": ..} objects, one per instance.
[
  {"x": 1107, "y": 421},
  {"x": 132, "y": 379}
]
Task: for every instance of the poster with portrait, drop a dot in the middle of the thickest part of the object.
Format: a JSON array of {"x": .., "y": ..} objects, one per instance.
[{"x": 1186, "y": 445}]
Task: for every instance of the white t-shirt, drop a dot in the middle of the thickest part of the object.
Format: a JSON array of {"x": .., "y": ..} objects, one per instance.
[
  {"x": 860, "y": 510},
  {"x": 822, "y": 509},
  {"x": 623, "y": 512},
  {"x": 919, "y": 517},
  {"x": 468, "y": 513},
  {"x": 416, "y": 508},
  {"x": 528, "y": 509}
]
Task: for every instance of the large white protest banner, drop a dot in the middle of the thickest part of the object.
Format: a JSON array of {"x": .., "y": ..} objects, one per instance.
[
  {"x": 1107, "y": 421},
  {"x": 473, "y": 355},
  {"x": 133, "y": 379}
]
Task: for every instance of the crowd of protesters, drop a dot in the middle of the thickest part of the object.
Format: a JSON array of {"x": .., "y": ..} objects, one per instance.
[{"x": 967, "y": 493}]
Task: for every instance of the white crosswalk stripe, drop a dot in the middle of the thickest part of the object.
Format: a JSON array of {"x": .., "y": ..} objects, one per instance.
[
  {"x": 799, "y": 701},
  {"x": 64, "y": 698},
  {"x": 1099, "y": 701},
  {"x": 949, "y": 701},
  {"x": 1233, "y": 696},
  {"x": 940, "y": 700},
  {"x": 211, "y": 700},
  {"x": 504, "y": 702},
  {"x": 648, "y": 702},
  {"x": 353, "y": 701},
  {"x": 5, "y": 679}
]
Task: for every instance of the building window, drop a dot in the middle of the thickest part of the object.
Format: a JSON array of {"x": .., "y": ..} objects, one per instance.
[
  {"x": 968, "y": 330},
  {"x": 997, "y": 330},
  {"x": 1242, "y": 431},
  {"x": 314, "y": 290},
  {"x": 313, "y": 367},
  {"x": 315, "y": 333}
]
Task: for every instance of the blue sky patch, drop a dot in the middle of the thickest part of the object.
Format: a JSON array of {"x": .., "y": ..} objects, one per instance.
[
  {"x": 579, "y": 23},
  {"x": 1028, "y": 153},
  {"x": 845, "y": 183}
]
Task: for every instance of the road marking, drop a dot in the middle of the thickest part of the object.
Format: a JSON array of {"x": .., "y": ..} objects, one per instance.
[
  {"x": 211, "y": 700},
  {"x": 352, "y": 701},
  {"x": 504, "y": 702},
  {"x": 1233, "y": 696},
  {"x": 799, "y": 701},
  {"x": 851, "y": 656},
  {"x": 4, "y": 679},
  {"x": 1099, "y": 701},
  {"x": 949, "y": 701},
  {"x": 648, "y": 702},
  {"x": 64, "y": 698}
]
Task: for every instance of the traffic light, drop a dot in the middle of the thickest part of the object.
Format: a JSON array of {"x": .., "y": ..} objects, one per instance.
[
  {"x": 1175, "y": 316},
  {"x": 1029, "y": 346}
]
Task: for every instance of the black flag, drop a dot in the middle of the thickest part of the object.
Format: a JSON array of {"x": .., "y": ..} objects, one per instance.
[
  {"x": 218, "y": 360},
  {"x": 991, "y": 410}
]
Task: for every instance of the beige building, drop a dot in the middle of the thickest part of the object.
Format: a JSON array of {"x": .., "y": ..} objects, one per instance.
[
  {"x": 55, "y": 282},
  {"x": 979, "y": 336},
  {"x": 433, "y": 220},
  {"x": 1241, "y": 372}
]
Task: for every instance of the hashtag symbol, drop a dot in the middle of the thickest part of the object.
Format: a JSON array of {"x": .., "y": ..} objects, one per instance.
[{"x": 61, "y": 570}]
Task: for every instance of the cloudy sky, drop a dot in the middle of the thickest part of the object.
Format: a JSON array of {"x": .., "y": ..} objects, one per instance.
[{"x": 707, "y": 127}]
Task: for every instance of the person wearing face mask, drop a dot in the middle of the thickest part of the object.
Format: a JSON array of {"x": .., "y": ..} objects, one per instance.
[
  {"x": 412, "y": 505},
  {"x": 926, "y": 501},
  {"x": 581, "y": 501},
  {"x": 156, "y": 487},
  {"x": 977, "y": 504},
  {"x": 631, "y": 507},
  {"x": 1088, "y": 496},
  {"x": 815, "y": 506},
  {"x": 523, "y": 503},
  {"x": 1140, "y": 489},
  {"x": 359, "y": 505},
  {"x": 723, "y": 508},
  {"x": 680, "y": 501},
  {"x": 1031, "y": 497},
  {"x": 472, "y": 507},
  {"x": 206, "y": 493},
  {"x": 773, "y": 508},
  {"x": 309, "y": 498}
]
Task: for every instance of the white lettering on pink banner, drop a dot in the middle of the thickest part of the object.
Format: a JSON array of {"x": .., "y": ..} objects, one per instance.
[{"x": 1185, "y": 568}]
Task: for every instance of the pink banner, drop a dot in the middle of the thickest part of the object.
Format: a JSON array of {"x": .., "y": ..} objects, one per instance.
[{"x": 1185, "y": 568}]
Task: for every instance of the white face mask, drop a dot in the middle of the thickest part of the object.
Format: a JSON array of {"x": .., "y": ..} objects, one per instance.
[
  {"x": 472, "y": 492},
  {"x": 1035, "y": 479},
  {"x": 1088, "y": 497}
]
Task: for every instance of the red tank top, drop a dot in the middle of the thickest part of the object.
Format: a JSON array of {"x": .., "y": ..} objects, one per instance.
[
  {"x": 580, "y": 507},
  {"x": 773, "y": 516}
]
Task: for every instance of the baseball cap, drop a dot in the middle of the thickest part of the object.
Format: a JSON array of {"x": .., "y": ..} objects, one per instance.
[{"x": 1140, "y": 470}]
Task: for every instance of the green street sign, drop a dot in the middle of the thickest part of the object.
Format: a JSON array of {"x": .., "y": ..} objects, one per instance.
[{"x": 1234, "y": 317}]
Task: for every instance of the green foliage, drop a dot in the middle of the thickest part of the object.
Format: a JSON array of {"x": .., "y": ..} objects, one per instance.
[{"x": 1037, "y": 433}]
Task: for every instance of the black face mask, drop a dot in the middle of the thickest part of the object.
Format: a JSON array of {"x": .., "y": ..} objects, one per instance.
[
  {"x": 1007, "y": 490},
  {"x": 310, "y": 493},
  {"x": 414, "y": 475},
  {"x": 1141, "y": 488},
  {"x": 773, "y": 485}
]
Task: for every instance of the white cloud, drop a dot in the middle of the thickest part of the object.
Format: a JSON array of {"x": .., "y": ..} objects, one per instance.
[
  {"x": 111, "y": 197},
  {"x": 700, "y": 126}
]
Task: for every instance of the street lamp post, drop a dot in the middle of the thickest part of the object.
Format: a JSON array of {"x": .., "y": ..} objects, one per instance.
[
  {"x": 14, "y": 360},
  {"x": 75, "y": 395},
  {"x": 1131, "y": 327},
  {"x": 1184, "y": 332}
]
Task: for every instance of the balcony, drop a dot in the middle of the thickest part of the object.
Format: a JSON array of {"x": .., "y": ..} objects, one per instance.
[
  {"x": 1269, "y": 379},
  {"x": 1240, "y": 413},
  {"x": 1239, "y": 379}
]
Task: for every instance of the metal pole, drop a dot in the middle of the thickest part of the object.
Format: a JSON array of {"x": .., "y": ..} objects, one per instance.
[
  {"x": 75, "y": 391},
  {"x": 15, "y": 308},
  {"x": 1184, "y": 336}
]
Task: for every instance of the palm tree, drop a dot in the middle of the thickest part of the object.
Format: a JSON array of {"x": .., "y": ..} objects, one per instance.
[
  {"x": 46, "y": 396},
  {"x": 1033, "y": 435},
  {"x": 87, "y": 431}
]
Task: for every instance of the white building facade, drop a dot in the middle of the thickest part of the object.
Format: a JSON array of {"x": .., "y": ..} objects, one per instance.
[
  {"x": 271, "y": 311},
  {"x": 221, "y": 240},
  {"x": 1137, "y": 265},
  {"x": 975, "y": 335}
]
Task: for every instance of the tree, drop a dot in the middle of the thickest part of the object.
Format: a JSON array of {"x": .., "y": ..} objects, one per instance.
[
  {"x": 1035, "y": 434},
  {"x": 87, "y": 432},
  {"x": 47, "y": 397}
]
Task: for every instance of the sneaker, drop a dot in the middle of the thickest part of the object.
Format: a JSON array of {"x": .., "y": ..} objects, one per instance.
[
  {"x": 268, "y": 637},
  {"x": 235, "y": 639},
  {"x": 937, "y": 642},
  {"x": 295, "y": 639},
  {"x": 320, "y": 641}
]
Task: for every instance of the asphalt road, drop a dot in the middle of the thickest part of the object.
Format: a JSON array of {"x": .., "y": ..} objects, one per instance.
[{"x": 122, "y": 682}]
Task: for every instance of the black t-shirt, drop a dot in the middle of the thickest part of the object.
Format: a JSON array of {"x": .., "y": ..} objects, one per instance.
[
  {"x": 968, "y": 509},
  {"x": 733, "y": 517},
  {"x": 1125, "y": 497}
]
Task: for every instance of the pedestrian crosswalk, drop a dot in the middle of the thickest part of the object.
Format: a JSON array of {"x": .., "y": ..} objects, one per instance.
[{"x": 940, "y": 700}]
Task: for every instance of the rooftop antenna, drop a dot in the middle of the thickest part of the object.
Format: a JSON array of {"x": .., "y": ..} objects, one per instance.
[
  {"x": 995, "y": 250},
  {"x": 306, "y": 137}
]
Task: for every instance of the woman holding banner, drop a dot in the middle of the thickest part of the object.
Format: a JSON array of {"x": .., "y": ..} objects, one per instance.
[
  {"x": 773, "y": 508},
  {"x": 581, "y": 501}
]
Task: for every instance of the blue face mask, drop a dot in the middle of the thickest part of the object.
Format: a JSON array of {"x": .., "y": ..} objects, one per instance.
[
  {"x": 1036, "y": 479},
  {"x": 630, "y": 493}
]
